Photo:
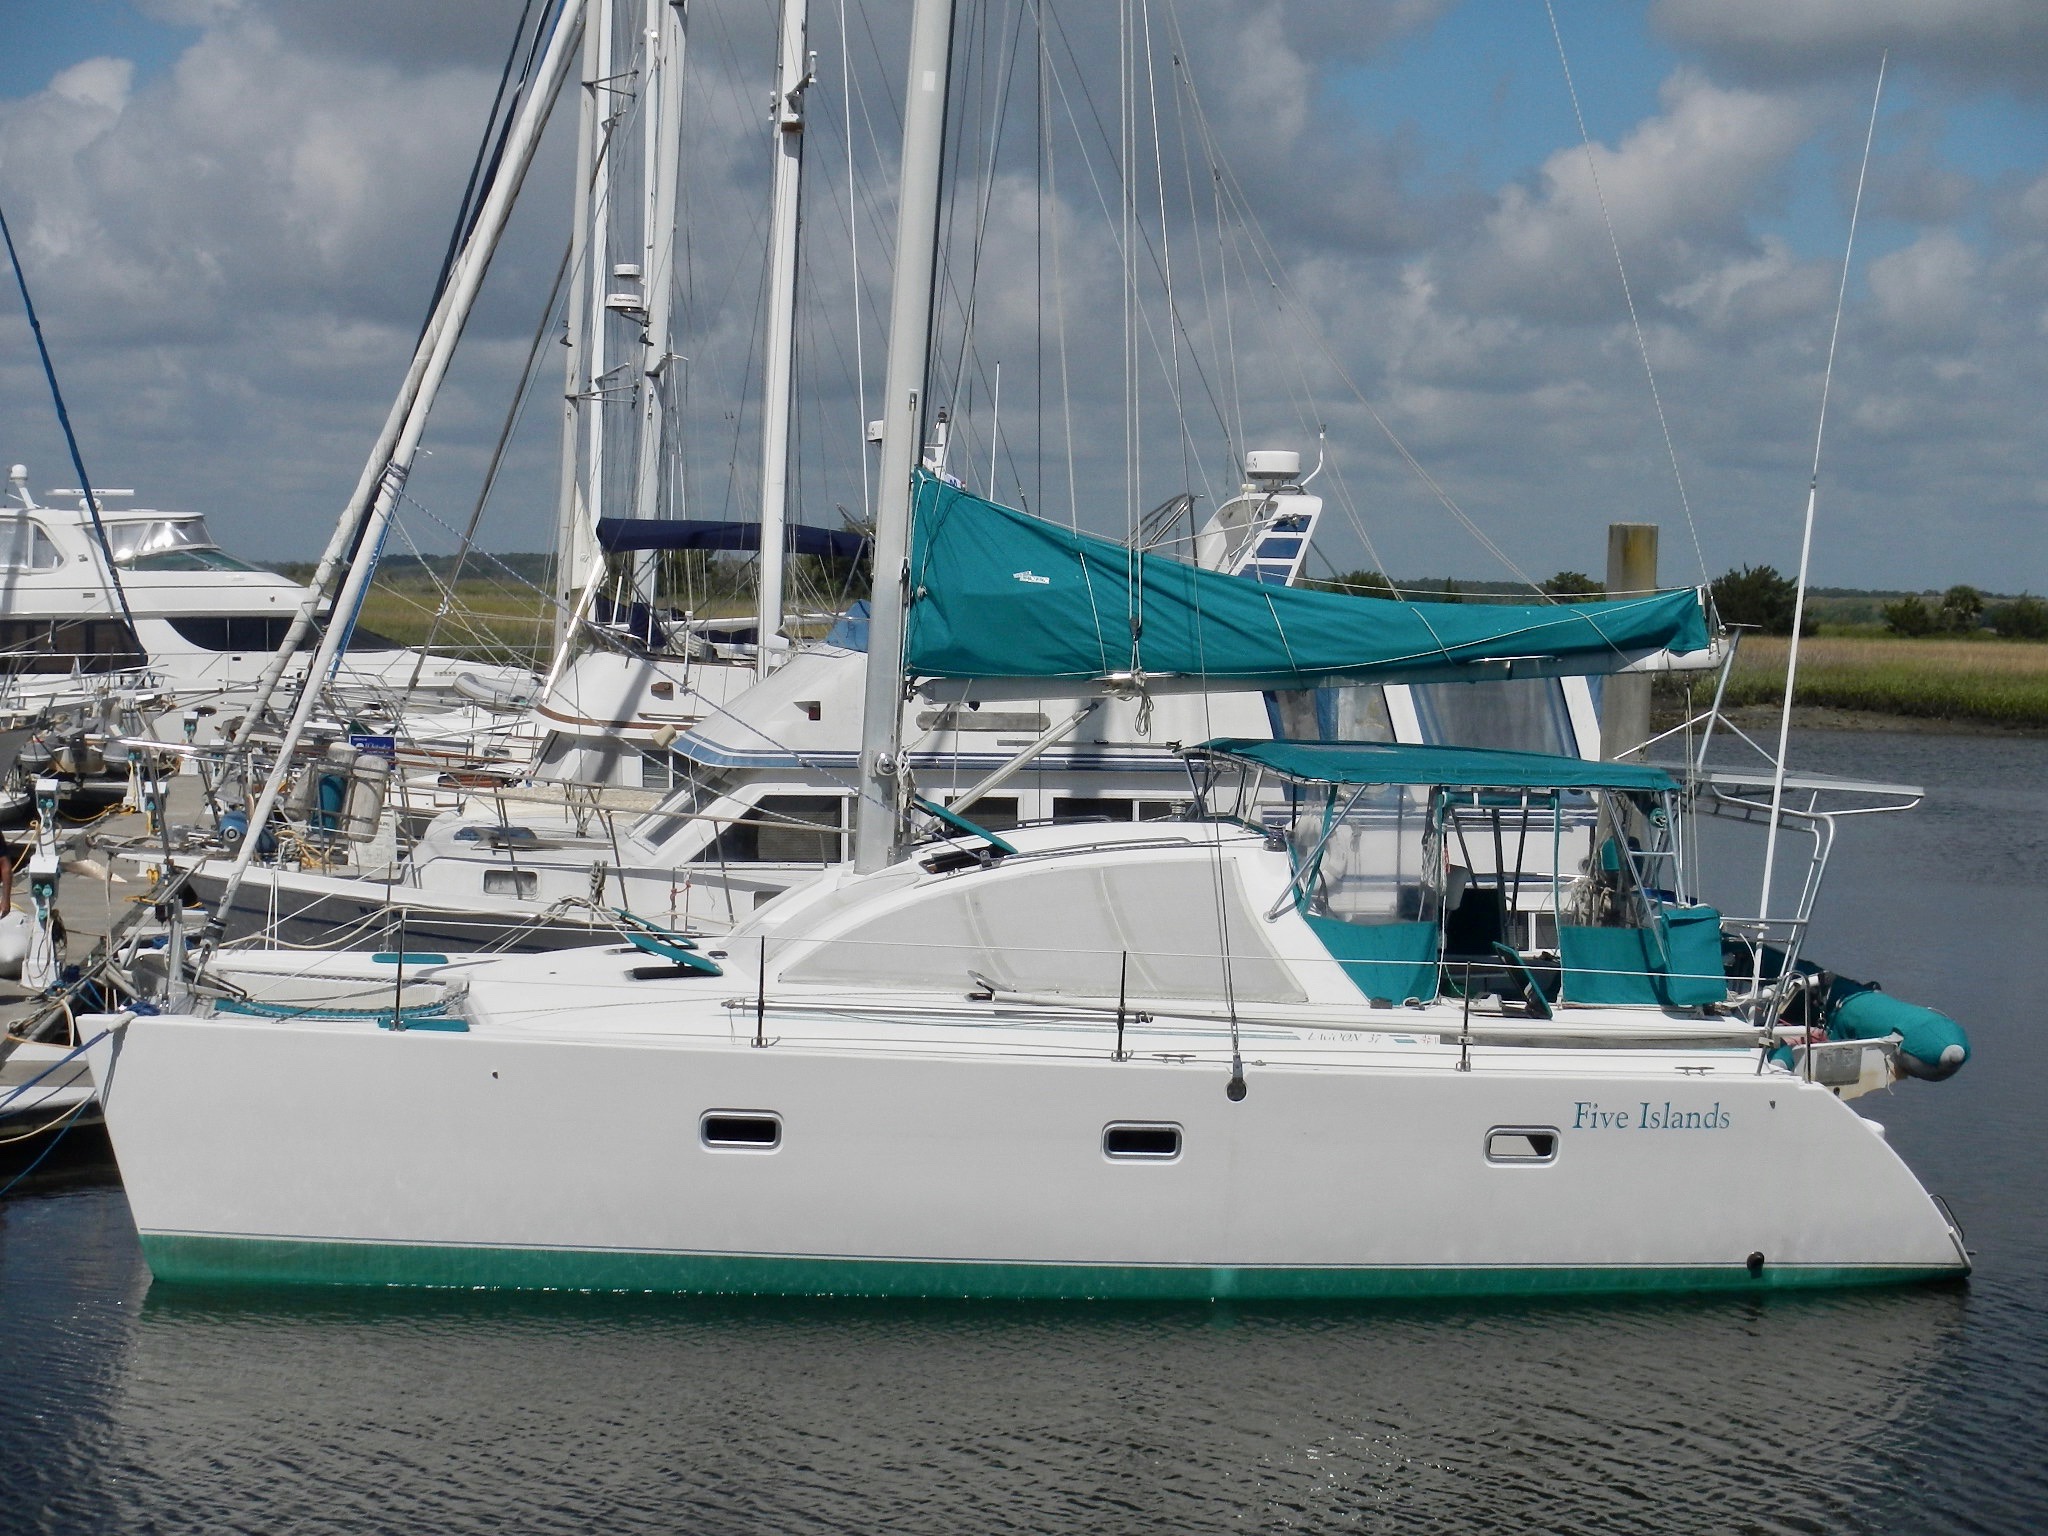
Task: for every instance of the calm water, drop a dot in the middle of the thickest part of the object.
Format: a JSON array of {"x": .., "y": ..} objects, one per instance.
[{"x": 1906, "y": 1411}]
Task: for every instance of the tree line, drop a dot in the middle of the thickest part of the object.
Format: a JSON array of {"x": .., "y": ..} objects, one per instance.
[{"x": 1756, "y": 597}]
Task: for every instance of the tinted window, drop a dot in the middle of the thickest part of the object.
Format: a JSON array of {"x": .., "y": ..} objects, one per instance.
[
  {"x": 241, "y": 632},
  {"x": 90, "y": 645},
  {"x": 783, "y": 829}
]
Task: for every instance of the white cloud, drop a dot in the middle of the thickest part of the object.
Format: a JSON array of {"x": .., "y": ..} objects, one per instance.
[
  {"x": 1929, "y": 293},
  {"x": 1687, "y": 178}
]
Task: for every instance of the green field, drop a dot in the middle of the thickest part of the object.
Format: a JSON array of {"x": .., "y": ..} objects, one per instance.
[
  {"x": 488, "y": 621},
  {"x": 1987, "y": 681}
]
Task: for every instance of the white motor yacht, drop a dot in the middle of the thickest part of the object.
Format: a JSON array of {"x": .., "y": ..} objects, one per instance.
[{"x": 204, "y": 621}]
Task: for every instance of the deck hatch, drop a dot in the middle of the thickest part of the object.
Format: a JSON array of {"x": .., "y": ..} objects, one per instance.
[
  {"x": 1128, "y": 1141},
  {"x": 730, "y": 1130},
  {"x": 522, "y": 884}
]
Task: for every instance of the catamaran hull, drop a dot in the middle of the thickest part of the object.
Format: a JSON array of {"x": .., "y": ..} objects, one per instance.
[{"x": 346, "y": 1154}]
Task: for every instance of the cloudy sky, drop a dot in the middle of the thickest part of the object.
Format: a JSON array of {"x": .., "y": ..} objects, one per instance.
[{"x": 232, "y": 211}]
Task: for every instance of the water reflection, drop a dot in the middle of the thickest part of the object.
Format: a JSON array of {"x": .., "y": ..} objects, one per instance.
[{"x": 465, "y": 1411}]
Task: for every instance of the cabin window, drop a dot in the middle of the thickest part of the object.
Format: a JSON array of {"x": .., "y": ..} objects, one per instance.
[
  {"x": 1522, "y": 1144},
  {"x": 783, "y": 829},
  {"x": 250, "y": 633},
  {"x": 1357, "y": 712},
  {"x": 662, "y": 769},
  {"x": 523, "y": 884},
  {"x": 1112, "y": 808},
  {"x": 25, "y": 547},
  {"x": 60, "y": 645},
  {"x": 1134, "y": 1142},
  {"x": 1513, "y": 715},
  {"x": 169, "y": 544},
  {"x": 692, "y": 792},
  {"x": 731, "y": 1130}
]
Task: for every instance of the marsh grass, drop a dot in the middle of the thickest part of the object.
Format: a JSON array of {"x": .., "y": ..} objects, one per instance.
[
  {"x": 490, "y": 621},
  {"x": 1997, "y": 682}
]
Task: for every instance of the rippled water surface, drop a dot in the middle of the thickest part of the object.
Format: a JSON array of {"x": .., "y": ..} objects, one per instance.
[{"x": 1890, "y": 1411}]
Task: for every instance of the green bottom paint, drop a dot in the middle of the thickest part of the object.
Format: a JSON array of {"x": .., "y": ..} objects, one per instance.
[{"x": 177, "y": 1259}]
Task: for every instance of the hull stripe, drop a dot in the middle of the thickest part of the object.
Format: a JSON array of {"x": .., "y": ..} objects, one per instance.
[{"x": 186, "y": 1259}]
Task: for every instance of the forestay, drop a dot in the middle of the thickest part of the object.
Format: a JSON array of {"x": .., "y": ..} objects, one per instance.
[{"x": 997, "y": 593}]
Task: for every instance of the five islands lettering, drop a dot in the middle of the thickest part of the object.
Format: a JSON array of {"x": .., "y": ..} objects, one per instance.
[{"x": 1587, "y": 1115}]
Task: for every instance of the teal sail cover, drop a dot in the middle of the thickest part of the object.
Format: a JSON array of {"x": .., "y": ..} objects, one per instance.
[{"x": 997, "y": 593}]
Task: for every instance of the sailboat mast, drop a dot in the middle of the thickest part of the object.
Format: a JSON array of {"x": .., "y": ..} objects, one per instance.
[
  {"x": 661, "y": 110},
  {"x": 606, "y": 89},
  {"x": 910, "y": 323},
  {"x": 786, "y": 121},
  {"x": 575, "y": 523}
]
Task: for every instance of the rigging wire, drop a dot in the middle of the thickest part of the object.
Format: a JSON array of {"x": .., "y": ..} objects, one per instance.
[
  {"x": 1627, "y": 293},
  {"x": 490, "y": 150},
  {"x": 860, "y": 370},
  {"x": 92, "y": 501},
  {"x": 514, "y": 413}
]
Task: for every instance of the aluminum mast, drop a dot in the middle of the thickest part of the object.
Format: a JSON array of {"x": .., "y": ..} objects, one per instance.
[
  {"x": 793, "y": 74},
  {"x": 910, "y": 323}
]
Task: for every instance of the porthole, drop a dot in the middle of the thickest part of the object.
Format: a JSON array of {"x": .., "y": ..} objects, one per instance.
[
  {"x": 1522, "y": 1144},
  {"x": 1129, "y": 1141},
  {"x": 733, "y": 1130}
]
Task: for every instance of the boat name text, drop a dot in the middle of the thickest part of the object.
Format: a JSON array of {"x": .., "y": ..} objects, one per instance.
[{"x": 1589, "y": 1116}]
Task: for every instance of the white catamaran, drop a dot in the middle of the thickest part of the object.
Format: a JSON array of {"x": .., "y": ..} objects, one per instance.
[{"x": 1323, "y": 1037}]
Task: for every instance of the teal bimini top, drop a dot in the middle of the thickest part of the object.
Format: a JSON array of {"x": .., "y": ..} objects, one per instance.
[{"x": 1385, "y": 762}]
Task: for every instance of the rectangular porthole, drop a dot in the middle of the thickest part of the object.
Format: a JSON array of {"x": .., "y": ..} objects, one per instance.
[
  {"x": 1521, "y": 1144},
  {"x": 1141, "y": 1143},
  {"x": 731, "y": 1130}
]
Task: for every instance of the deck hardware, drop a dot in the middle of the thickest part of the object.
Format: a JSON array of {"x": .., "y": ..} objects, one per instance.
[
  {"x": 761, "y": 998},
  {"x": 1465, "y": 1026},
  {"x": 1123, "y": 977}
]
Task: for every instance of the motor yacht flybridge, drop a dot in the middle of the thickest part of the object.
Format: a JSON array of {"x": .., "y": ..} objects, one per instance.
[
  {"x": 1374, "y": 1020},
  {"x": 205, "y": 622}
]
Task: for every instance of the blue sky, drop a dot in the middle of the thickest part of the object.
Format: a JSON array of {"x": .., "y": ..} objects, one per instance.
[
  {"x": 231, "y": 209},
  {"x": 42, "y": 39}
]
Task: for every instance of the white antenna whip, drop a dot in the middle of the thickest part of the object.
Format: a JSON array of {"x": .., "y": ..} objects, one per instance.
[{"x": 1806, "y": 538}]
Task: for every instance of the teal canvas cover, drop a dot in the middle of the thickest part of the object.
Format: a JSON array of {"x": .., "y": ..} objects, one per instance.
[
  {"x": 997, "y": 593},
  {"x": 1676, "y": 964},
  {"x": 1394, "y": 961},
  {"x": 1692, "y": 937},
  {"x": 1389, "y": 762}
]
